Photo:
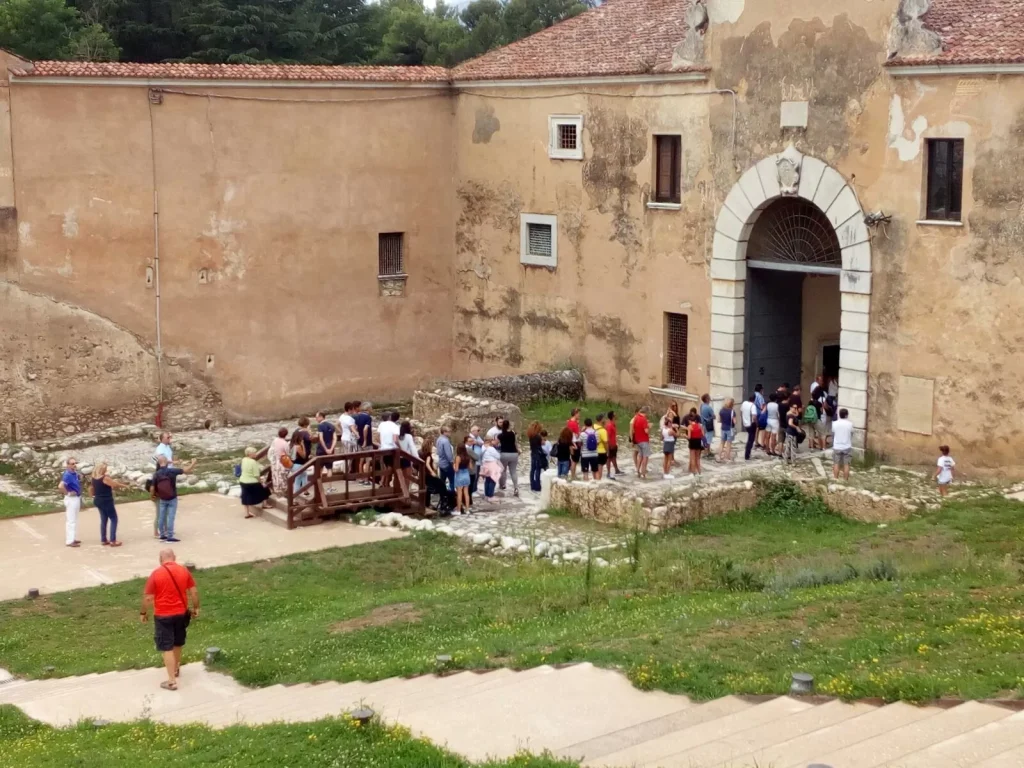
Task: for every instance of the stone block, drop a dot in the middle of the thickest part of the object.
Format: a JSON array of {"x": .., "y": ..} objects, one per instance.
[
  {"x": 768, "y": 171},
  {"x": 855, "y": 282},
  {"x": 856, "y": 341},
  {"x": 720, "y": 394},
  {"x": 851, "y": 380},
  {"x": 853, "y": 361},
  {"x": 729, "y": 225},
  {"x": 853, "y": 232},
  {"x": 860, "y": 439},
  {"x": 794, "y": 114},
  {"x": 811, "y": 170},
  {"x": 727, "y": 248},
  {"x": 727, "y": 342},
  {"x": 737, "y": 202},
  {"x": 721, "y": 358},
  {"x": 750, "y": 183},
  {"x": 857, "y": 257},
  {"x": 720, "y": 305},
  {"x": 731, "y": 289},
  {"x": 855, "y": 321},
  {"x": 855, "y": 302},
  {"x": 915, "y": 405},
  {"x": 844, "y": 208},
  {"x": 859, "y": 417},
  {"x": 828, "y": 189},
  {"x": 727, "y": 324},
  {"x": 727, "y": 377},
  {"x": 723, "y": 269},
  {"x": 853, "y": 398}
]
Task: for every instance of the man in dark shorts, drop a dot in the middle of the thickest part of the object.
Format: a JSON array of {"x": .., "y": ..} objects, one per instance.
[{"x": 169, "y": 590}]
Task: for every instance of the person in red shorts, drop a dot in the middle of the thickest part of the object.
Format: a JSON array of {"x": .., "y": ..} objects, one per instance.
[{"x": 169, "y": 590}]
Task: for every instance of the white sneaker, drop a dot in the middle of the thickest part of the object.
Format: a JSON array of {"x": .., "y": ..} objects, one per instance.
[{"x": 666, "y": 477}]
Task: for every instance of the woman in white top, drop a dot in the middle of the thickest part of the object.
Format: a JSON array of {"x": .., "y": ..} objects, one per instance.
[
  {"x": 773, "y": 423},
  {"x": 347, "y": 426},
  {"x": 407, "y": 443},
  {"x": 668, "y": 443}
]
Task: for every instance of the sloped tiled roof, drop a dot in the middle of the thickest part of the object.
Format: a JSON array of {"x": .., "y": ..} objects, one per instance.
[
  {"x": 619, "y": 37},
  {"x": 974, "y": 32},
  {"x": 284, "y": 72}
]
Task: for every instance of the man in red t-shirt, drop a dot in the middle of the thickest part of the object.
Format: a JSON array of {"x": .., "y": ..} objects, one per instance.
[
  {"x": 574, "y": 426},
  {"x": 641, "y": 437},
  {"x": 613, "y": 446},
  {"x": 169, "y": 590}
]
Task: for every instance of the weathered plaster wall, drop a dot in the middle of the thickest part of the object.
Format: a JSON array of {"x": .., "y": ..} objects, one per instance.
[
  {"x": 621, "y": 265},
  {"x": 269, "y": 217}
]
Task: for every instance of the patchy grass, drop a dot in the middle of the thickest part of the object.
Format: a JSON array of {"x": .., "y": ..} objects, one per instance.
[
  {"x": 329, "y": 742},
  {"x": 554, "y": 413},
  {"x": 924, "y": 608},
  {"x": 16, "y": 506}
]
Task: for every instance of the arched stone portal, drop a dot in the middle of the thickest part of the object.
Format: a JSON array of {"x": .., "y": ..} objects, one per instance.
[{"x": 792, "y": 175}]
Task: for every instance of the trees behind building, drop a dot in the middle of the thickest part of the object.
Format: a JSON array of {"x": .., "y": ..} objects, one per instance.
[{"x": 272, "y": 31}]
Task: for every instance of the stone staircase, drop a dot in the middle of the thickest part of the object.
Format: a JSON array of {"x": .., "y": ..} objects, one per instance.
[{"x": 580, "y": 712}]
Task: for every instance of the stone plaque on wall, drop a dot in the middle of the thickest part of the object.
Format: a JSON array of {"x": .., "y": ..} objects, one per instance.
[{"x": 915, "y": 405}]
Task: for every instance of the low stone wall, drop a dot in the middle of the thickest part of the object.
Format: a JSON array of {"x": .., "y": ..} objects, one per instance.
[
  {"x": 460, "y": 411},
  {"x": 526, "y": 388},
  {"x": 654, "y": 512}
]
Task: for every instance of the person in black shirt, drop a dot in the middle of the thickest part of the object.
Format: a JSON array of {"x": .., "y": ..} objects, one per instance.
[{"x": 563, "y": 452}]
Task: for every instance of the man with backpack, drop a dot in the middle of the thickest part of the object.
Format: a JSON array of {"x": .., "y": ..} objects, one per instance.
[
  {"x": 165, "y": 491},
  {"x": 588, "y": 450},
  {"x": 811, "y": 420}
]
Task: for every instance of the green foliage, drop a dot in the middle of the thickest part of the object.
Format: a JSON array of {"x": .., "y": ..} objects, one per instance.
[
  {"x": 883, "y": 570},
  {"x": 738, "y": 578},
  {"x": 50, "y": 29},
  {"x": 785, "y": 500}
]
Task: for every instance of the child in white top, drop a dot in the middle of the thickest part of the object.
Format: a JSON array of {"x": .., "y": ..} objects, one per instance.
[{"x": 944, "y": 470}]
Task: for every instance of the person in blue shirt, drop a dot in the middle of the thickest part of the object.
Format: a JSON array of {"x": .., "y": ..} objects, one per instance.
[
  {"x": 71, "y": 487},
  {"x": 164, "y": 449}
]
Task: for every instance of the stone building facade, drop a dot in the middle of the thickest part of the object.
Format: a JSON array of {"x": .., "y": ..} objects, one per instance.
[{"x": 675, "y": 196}]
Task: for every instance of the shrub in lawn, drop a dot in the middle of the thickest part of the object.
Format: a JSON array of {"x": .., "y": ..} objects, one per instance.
[
  {"x": 738, "y": 578},
  {"x": 786, "y": 500},
  {"x": 808, "y": 578},
  {"x": 883, "y": 570}
]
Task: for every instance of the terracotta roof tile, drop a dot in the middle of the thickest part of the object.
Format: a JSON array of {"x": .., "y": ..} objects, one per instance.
[
  {"x": 974, "y": 32},
  {"x": 286, "y": 72},
  {"x": 619, "y": 37}
]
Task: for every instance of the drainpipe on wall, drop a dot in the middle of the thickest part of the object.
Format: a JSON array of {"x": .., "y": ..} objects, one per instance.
[{"x": 156, "y": 249}]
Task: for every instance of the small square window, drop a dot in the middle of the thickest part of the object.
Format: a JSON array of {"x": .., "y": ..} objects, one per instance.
[
  {"x": 565, "y": 137},
  {"x": 538, "y": 235},
  {"x": 676, "y": 347},
  {"x": 667, "y": 151},
  {"x": 945, "y": 180},
  {"x": 390, "y": 254}
]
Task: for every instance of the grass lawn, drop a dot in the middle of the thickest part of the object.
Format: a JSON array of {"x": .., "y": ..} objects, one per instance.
[
  {"x": 554, "y": 413},
  {"x": 929, "y": 607},
  {"x": 15, "y": 506},
  {"x": 330, "y": 742}
]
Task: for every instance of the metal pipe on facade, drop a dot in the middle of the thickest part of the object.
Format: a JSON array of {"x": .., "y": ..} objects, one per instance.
[{"x": 156, "y": 256}]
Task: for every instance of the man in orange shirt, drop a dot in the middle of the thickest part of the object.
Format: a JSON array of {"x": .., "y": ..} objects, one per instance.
[{"x": 169, "y": 590}]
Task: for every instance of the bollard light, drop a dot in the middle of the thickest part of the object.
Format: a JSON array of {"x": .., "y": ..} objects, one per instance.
[
  {"x": 211, "y": 655},
  {"x": 802, "y": 684},
  {"x": 32, "y": 594},
  {"x": 49, "y": 669},
  {"x": 99, "y": 722},
  {"x": 191, "y": 566},
  {"x": 363, "y": 715},
  {"x": 443, "y": 661}
]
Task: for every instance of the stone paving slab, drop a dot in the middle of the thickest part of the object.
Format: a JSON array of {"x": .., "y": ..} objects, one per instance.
[{"x": 212, "y": 529}]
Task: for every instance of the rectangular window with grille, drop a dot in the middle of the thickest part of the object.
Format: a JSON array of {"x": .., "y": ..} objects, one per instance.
[
  {"x": 565, "y": 137},
  {"x": 538, "y": 239},
  {"x": 945, "y": 179},
  {"x": 390, "y": 254},
  {"x": 667, "y": 169},
  {"x": 676, "y": 343}
]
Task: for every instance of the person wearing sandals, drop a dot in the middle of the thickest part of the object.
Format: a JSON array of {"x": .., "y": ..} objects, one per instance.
[
  {"x": 169, "y": 591},
  {"x": 254, "y": 492},
  {"x": 103, "y": 487},
  {"x": 462, "y": 475}
]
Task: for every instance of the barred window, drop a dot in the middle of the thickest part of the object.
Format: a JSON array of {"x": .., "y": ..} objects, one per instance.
[
  {"x": 565, "y": 137},
  {"x": 390, "y": 254},
  {"x": 676, "y": 344},
  {"x": 945, "y": 179}
]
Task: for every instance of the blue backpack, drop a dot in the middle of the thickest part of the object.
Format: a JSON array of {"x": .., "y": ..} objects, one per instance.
[{"x": 591, "y": 440}]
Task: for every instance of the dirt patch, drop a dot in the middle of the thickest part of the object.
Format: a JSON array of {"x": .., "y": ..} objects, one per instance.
[{"x": 404, "y": 613}]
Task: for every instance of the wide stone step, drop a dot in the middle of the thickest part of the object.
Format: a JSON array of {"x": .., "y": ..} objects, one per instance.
[
  {"x": 1013, "y": 758},
  {"x": 743, "y": 747},
  {"x": 440, "y": 691},
  {"x": 547, "y": 711},
  {"x": 888, "y": 747},
  {"x": 973, "y": 747},
  {"x": 269, "y": 701},
  {"x": 663, "y": 751},
  {"x": 37, "y": 690},
  {"x": 800, "y": 751}
]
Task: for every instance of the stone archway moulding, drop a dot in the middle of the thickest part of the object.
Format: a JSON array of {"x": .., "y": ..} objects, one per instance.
[{"x": 791, "y": 174}]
